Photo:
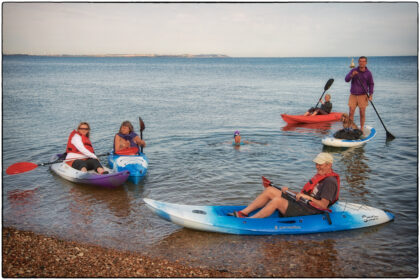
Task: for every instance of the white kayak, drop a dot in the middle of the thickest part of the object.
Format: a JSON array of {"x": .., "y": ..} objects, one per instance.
[
  {"x": 111, "y": 180},
  {"x": 368, "y": 134},
  {"x": 344, "y": 216}
]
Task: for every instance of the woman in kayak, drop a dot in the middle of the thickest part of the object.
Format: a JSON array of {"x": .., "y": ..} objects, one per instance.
[
  {"x": 126, "y": 139},
  {"x": 322, "y": 191},
  {"x": 80, "y": 148},
  {"x": 325, "y": 109}
]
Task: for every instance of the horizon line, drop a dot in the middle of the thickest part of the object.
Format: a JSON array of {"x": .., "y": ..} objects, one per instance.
[{"x": 183, "y": 55}]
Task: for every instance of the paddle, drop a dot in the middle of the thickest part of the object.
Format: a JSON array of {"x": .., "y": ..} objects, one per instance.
[
  {"x": 389, "y": 136},
  {"x": 22, "y": 167},
  {"x": 142, "y": 127},
  {"x": 267, "y": 183},
  {"x": 326, "y": 87}
]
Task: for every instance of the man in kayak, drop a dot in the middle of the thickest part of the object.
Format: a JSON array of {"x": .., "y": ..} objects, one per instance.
[
  {"x": 325, "y": 109},
  {"x": 361, "y": 78},
  {"x": 80, "y": 151},
  {"x": 126, "y": 139},
  {"x": 321, "y": 191}
]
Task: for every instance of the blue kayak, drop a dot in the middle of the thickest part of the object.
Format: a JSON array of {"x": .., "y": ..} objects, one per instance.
[
  {"x": 136, "y": 164},
  {"x": 344, "y": 216}
]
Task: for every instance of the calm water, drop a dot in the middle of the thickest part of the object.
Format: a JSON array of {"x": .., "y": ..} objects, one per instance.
[{"x": 191, "y": 107}]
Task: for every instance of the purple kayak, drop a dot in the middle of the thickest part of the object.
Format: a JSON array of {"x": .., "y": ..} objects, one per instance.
[{"x": 111, "y": 180}]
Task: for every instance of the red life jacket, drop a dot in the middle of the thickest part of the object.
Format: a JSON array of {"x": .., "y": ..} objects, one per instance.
[
  {"x": 86, "y": 142},
  {"x": 309, "y": 187}
]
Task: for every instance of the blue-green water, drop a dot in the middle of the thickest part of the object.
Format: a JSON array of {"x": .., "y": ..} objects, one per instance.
[{"x": 191, "y": 107}]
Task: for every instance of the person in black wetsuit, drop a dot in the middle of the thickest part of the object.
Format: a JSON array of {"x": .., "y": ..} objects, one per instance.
[{"x": 325, "y": 109}]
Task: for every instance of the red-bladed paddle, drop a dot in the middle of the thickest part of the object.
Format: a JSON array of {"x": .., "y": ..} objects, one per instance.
[
  {"x": 22, "y": 167},
  {"x": 268, "y": 183},
  {"x": 142, "y": 127}
]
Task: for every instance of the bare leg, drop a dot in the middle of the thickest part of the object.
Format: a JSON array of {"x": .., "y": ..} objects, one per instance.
[
  {"x": 351, "y": 113},
  {"x": 277, "y": 203},
  {"x": 261, "y": 200},
  {"x": 100, "y": 170},
  {"x": 362, "y": 117},
  {"x": 83, "y": 169}
]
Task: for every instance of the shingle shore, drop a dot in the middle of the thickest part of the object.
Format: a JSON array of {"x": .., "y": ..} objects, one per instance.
[{"x": 26, "y": 254}]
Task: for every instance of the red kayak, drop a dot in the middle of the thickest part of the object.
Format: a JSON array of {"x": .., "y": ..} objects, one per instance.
[{"x": 334, "y": 116}]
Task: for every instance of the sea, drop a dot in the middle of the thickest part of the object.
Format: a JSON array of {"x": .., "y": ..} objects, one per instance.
[{"x": 191, "y": 108}]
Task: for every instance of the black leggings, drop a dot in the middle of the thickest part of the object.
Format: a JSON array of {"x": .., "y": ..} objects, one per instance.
[
  {"x": 320, "y": 111},
  {"x": 89, "y": 164}
]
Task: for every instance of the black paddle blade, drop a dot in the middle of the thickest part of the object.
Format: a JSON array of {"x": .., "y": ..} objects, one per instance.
[
  {"x": 389, "y": 136},
  {"x": 142, "y": 125},
  {"x": 328, "y": 84}
]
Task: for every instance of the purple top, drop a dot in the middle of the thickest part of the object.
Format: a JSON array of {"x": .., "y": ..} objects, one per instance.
[{"x": 366, "y": 79}]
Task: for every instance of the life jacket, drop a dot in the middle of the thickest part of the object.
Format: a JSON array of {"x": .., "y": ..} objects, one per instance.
[
  {"x": 133, "y": 149},
  {"x": 312, "y": 183},
  {"x": 86, "y": 142}
]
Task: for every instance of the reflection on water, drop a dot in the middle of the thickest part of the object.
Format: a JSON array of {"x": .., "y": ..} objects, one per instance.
[
  {"x": 255, "y": 256},
  {"x": 322, "y": 128},
  {"x": 356, "y": 170}
]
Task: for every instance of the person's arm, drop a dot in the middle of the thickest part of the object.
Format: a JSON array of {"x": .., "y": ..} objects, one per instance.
[
  {"x": 371, "y": 84},
  {"x": 140, "y": 142},
  {"x": 116, "y": 143},
  {"x": 120, "y": 143},
  {"x": 349, "y": 76},
  {"x": 77, "y": 142}
]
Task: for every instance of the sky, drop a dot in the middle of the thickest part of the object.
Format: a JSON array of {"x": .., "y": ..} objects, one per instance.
[{"x": 233, "y": 29}]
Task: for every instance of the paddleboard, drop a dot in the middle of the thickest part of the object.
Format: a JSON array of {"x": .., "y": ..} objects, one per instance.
[
  {"x": 344, "y": 216},
  {"x": 293, "y": 119},
  {"x": 368, "y": 134}
]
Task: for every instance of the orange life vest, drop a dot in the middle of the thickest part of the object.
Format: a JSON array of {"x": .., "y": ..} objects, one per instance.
[
  {"x": 309, "y": 187},
  {"x": 86, "y": 142}
]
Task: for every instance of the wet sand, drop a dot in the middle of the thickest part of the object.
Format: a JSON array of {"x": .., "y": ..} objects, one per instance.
[{"x": 26, "y": 254}]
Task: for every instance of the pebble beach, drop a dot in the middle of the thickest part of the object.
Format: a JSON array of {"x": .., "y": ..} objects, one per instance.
[{"x": 30, "y": 255}]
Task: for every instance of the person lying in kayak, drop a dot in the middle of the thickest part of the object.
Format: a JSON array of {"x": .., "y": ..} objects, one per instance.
[
  {"x": 80, "y": 148},
  {"x": 325, "y": 109},
  {"x": 322, "y": 191},
  {"x": 127, "y": 140}
]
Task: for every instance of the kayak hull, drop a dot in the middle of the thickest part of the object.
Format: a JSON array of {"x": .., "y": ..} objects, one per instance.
[
  {"x": 111, "y": 180},
  {"x": 344, "y": 216},
  {"x": 136, "y": 164},
  {"x": 368, "y": 134},
  {"x": 294, "y": 119}
]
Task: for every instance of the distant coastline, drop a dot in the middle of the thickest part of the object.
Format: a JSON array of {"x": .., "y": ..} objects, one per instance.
[{"x": 127, "y": 55}]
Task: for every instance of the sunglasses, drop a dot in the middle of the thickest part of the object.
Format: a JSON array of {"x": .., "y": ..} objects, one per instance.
[{"x": 83, "y": 128}]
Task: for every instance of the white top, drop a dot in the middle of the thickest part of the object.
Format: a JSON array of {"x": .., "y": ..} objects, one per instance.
[{"x": 78, "y": 143}]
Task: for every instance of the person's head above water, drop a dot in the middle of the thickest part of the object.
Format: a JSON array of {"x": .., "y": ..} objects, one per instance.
[{"x": 237, "y": 137}]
